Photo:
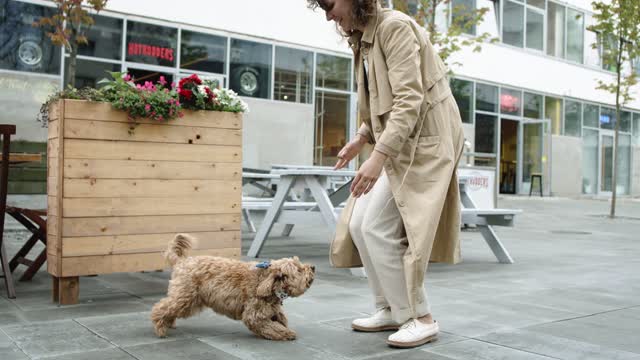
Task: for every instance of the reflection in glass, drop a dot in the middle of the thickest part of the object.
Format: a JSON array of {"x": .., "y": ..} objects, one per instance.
[
  {"x": 607, "y": 118},
  {"x": 486, "y": 97},
  {"x": 625, "y": 121},
  {"x": 590, "y": 161},
  {"x": 572, "y": 121},
  {"x": 203, "y": 52},
  {"x": 251, "y": 68},
  {"x": 513, "y": 27},
  {"x": 151, "y": 44},
  {"x": 105, "y": 39},
  {"x": 535, "y": 30},
  {"x": 463, "y": 93},
  {"x": 293, "y": 75},
  {"x": 532, "y": 106},
  {"x": 510, "y": 103},
  {"x": 591, "y": 116},
  {"x": 485, "y": 139},
  {"x": 606, "y": 172},
  {"x": 623, "y": 166},
  {"x": 24, "y": 47},
  {"x": 575, "y": 35},
  {"x": 333, "y": 72},
  {"x": 555, "y": 29},
  {"x": 89, "y": 73}
]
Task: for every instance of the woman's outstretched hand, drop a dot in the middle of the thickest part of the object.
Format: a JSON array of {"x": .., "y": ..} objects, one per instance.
[
  {"x": 350, "y": 151},
  {"x": 368, "y": 174}
]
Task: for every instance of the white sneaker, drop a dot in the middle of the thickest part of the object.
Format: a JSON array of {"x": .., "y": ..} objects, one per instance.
[
  {"x": 413, "y": 333},
  {"x": 380, "y": 321}
]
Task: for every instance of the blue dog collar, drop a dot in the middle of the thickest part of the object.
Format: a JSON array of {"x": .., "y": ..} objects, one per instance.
[{"x": 263, "y": 265}]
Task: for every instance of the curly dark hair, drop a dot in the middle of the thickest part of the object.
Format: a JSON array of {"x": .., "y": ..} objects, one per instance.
[{"x": 361, "y": 11}]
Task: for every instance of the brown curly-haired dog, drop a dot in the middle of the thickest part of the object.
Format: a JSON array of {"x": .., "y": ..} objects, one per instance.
[{"x": 247, "y": 291}]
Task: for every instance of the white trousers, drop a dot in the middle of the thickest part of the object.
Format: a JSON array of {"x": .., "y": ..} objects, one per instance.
[{"x": 378, "y": 232}]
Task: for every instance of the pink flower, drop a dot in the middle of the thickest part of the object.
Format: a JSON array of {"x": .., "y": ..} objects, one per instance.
[
  {"x": 147, "y": 108},
  {"x": 127, "y": 77},
  {"x": 160, "y": 118},
  {"x": 173, "y": 85},
  {"x": 162, "y": 81}
]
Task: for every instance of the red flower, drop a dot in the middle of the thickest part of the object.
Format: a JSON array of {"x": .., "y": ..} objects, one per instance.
[
  {"x": 210, "y": 94},
  {"x": 187, "y": 94},
  {"x": 193, "y": 79}
]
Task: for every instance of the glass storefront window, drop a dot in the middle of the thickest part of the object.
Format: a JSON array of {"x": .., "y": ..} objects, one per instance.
[
  {"x": 513, "y": 27},
  {"x": 532, "y": 106},
  {"x": 625, "y": 121},
  {"x": 203, "y": 52},
  {"x": 21, "y": 96},
  {"x": 590, "y": 149},
  {"x": 623, "y": 168},
  {"x": 140, "y": 76},
  {"x": 590, "y": 116},
  {"x": 333, "y": 72},
  {"x": 104, "y": 39},
  {"x": 485, "y": 134},
  {"x": 88, "y": 73},
  {"x": 575, "y": 35},
  {"x": 24, "y": 47},
  {"x": 463, "y": 93},
  {"x": 151, "y": 44},
  {"x": 636, "y": 128},
  {"x": 510, "y": 102},
  {"x": 537, "y": 3},
  {"x": 553, "y": 111},
  {"x": 572, "y": 118},
  {"x": 293, "y": 71},
  {"x": 535, "y": 30},
  {"x": 607, "y": 118},
  {"x": 251, "y": 68},
  {"x": 486, "y": 97},
  {"x": 331, "y": 127},
  {"x": 555, "y": 29}
]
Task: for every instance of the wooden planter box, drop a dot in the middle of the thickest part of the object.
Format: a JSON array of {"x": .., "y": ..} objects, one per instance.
[{"x": 115, "y": 199}]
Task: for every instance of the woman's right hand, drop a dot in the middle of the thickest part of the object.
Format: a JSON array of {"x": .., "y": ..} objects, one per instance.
[{"x": 350, "y": 151}]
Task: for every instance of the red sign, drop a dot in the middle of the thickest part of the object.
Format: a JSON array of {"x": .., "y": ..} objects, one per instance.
[{"x": 149, "y": 50}]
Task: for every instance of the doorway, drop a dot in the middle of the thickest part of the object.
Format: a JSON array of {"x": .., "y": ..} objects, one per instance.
[
  {"x": 508, "y": 156},
  {"x": 331, "y": 127},
  {"x": 606, "y": 162}
]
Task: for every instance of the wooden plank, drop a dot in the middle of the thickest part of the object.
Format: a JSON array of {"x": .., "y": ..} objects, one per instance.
[
  {"x": 95, "y": 207},
  {"x": 149, "y": 224},
  {"x": 89, "y": 265},
  {"x": 129, "y": 150},
  {"x": 52, "y": 167},
  {"x": 52, "y": 228},
  {"x": 52, "y": 264},
  {"x": 53, "y": 131},
  {"x": 84, "y": 110},
  {"x": 133, "y": 244},
  {"x": 52, "y": 205},
  {"x": 52, "y": 186},
  {"x": 98, "y": 188},
  {"x": 53, "y": 147},
  {"x": 163, "y": 170},
  {"x": 54, "y": 111},
  {"x": 106, "y": 130},
  {"x": 58, "y": 199}
]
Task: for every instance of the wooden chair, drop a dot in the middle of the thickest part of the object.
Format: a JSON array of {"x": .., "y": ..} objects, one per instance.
[
  {"x": 36, "y": 222},
  {"x": 6, "y": 131}
]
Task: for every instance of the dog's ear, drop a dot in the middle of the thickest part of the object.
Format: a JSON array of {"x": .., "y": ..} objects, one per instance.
[
  {"x": 265, "y": 288},
  {"x": 295, "y": 258}
]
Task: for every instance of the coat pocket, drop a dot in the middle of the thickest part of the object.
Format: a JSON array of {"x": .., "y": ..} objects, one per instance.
[{"x": 427, "y": 161}]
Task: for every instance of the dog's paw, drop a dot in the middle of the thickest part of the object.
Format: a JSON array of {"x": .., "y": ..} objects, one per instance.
[
  {"x": 161, "y": 332},
  {"x": 290, "y": 335}
]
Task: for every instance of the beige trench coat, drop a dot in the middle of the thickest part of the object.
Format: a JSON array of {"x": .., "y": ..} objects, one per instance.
[{"x": 407, "y": 92}]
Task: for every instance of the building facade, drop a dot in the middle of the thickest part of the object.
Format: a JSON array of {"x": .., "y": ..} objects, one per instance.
[{"x": 529, "y": 102}]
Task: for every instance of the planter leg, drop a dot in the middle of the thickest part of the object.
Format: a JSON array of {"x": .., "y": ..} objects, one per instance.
[
  {"x": 55, "y": 289},
  {"x": 68, "y": 290}
]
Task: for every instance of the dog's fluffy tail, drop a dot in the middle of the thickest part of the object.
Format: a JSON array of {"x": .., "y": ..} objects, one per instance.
[{"x": 178, "y": 248}]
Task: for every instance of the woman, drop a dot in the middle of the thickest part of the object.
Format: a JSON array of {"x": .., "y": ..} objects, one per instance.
[{"x": 407, "y": 207}]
